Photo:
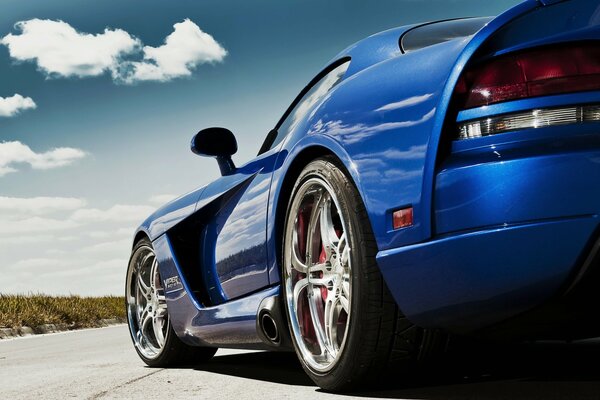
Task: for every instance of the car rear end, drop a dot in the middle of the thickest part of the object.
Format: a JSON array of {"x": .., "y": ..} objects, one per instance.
[{"x": 516, "y": 197}]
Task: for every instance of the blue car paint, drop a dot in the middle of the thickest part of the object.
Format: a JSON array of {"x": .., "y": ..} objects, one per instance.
[
  {"x": 232, "y": 324},
  {"x": 170, "y": 214},
  {"x": 385, "y": 133},
  {"x": 373, "y": 50},
  {"x": 236, "y": 241},
  {"x": 392, "y": 136},
  {"x": 522, "y": 176},
  {"x": 468, "y": 281},
  {"x": 238, "y": 227},
  {"x": 385, "y": 122},
  {"x": 549, "y": 2}
]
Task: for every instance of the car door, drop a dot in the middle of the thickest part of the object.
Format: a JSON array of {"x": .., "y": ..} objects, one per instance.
[
  {"x": 233, "y": 248},
  {"x": 235, "y": 240}
]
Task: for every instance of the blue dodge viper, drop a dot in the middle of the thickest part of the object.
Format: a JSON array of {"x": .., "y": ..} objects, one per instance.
[{"x": 433, "y": 180}]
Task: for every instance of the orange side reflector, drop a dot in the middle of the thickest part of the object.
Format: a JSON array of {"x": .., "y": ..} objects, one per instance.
[{"x": 403, "y": 218}]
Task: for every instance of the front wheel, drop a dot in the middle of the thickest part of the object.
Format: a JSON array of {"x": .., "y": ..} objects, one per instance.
[
  {"x": 345, "y": 326},
  {"x": 153, "y": 337}
]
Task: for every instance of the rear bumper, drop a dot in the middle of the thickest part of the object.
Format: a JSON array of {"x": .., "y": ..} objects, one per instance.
[
  {"x": 467, "y": 282},
  {"x": 519, "y": 177},
  {"x": 515, "y": 218}
]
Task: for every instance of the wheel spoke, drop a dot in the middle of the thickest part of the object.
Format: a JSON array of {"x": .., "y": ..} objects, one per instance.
[
  {"x": 322, "y": 267},
  {"x": 330, "y": 323},
  {"x": 157, "y": 324},
  {"x": 140, "y": 338},
  {"x": 154, "y": 274},
  {"x": 161, "y": 311},
  {"x": 343, "y": 250},
  {"x": 142, "y": 286},
  {"x": 296, "y": 263},
  {"x": 345, "y": 303},
  {"x": 345, "y": 286},
  {"x": 312, "y": 226},
  {"x": 298, "y": 287},
  {"x": 315, "y": 305},
  {"x": 145, "y": 319},
  {"x": 328, "y": 235},
  {"x": 141, "y": 263},
  {"x": 327, "y": 279},
  {"x": 131, "y": 299}
]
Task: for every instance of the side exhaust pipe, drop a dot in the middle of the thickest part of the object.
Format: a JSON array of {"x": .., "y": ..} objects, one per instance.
[
  {"x": 269, "y": 328},
  {"x": 271, "y": 324}
]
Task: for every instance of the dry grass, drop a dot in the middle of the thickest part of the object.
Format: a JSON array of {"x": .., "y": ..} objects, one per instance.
[{"x": 77, "y": 312}]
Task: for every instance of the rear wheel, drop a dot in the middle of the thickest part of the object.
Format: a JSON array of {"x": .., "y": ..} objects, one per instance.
[
  {"x": 345, "y": 326},
  {"x": 153, "y": 336}
]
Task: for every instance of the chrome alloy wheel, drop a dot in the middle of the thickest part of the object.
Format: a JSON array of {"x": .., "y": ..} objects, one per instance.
[
  {"x": 317, "y": 274},
  {"x": 146, "y": 305}
]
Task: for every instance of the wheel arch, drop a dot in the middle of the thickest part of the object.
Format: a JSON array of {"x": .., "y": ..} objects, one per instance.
[
  {"x": 140, "y": 234},
  {"x": 284, "y": 191}
]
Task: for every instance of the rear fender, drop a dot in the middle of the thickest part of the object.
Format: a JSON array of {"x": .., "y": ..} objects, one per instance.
[{"x": 435, "y": 285}]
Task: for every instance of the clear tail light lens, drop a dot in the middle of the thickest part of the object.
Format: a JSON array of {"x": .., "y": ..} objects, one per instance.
[{"x": 528, "y": 120}]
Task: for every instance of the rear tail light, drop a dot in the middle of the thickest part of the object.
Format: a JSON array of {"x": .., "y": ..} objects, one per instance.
[
  {"x": 540, "y": 72},
  {"x": 568, "y": 68},
  {"x": 529, "y": 119}
]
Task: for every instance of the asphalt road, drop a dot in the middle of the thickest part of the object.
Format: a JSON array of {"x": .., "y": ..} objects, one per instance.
[{"x": 101, "y": 364}]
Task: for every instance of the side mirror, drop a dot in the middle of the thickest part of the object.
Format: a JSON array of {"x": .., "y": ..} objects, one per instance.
[{"x": 218, "y": 143}]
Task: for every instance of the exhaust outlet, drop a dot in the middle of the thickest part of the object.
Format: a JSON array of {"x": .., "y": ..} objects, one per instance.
[{"x": 271, "y": 326}]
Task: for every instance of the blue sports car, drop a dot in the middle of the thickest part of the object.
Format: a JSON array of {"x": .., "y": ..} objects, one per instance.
[{"x": 433, "y": 180}]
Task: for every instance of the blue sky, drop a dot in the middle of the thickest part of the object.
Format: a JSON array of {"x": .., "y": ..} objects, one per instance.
[{"x": 68, "y": 215}]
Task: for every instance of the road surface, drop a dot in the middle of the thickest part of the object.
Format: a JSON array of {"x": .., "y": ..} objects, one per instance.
[{"x": 101, "y": 364}]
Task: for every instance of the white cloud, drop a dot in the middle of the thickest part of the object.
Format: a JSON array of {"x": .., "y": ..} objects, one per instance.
[
  {"x": 77, "y": 249},
  {"x": 117, "y": 247},
  {"x": 58, "y": 276},
  {"x": 13, "y": 240},
  {"x": 39, "y": 205},
  {"x": 35, "y": 263},
  {"x": 34, "y": 225},
  {"x": 11, "y": 106},
  {"x": 128, "y": 232},
  {"x": 60, "y": 50},
  {"x": 184, "y": 49},
  {"x": 16, "y": 152},
  {"x": 117, "y": 213},
  {"x": 161, "y": 199}
]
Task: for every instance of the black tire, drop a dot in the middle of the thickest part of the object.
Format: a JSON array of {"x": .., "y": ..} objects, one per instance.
[
  {"x": 379, "y": 339},
  {"x": 174, "y": 352}
]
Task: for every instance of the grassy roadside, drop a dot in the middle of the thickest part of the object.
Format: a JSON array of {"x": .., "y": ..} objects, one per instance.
[{"x": 77, "y": 312}]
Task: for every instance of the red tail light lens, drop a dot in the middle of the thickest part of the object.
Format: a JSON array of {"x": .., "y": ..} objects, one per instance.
[{"x": 540, "y": 72}]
